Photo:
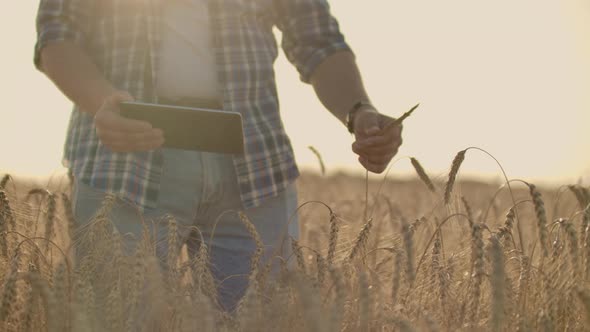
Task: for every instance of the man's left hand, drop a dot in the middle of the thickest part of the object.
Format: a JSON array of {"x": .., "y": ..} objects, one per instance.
[{"x": 375, "y": 144}]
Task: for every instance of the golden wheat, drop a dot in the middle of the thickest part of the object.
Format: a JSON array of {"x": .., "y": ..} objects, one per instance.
[{"x": 343, "y": 280}]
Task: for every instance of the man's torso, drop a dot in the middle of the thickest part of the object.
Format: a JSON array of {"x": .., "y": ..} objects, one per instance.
[
  {"x": 124, "y": 39},
  {"x": 127, "y": 44}
]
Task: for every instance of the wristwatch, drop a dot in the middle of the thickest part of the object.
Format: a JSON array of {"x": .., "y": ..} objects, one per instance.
[{"x": 350, "y": 116}]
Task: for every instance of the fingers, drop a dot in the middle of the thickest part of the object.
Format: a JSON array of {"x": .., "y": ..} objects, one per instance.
[
  {"x": 121, "y": 134},
  {"x": 370, "y": 131},
  {"x": 117, "y": 97},
  {"x": 377, "y": 145},
  {"x": 380, "y": 157},
  {"x": 377, "y": 149},
  {"x": 373, "y": 167},
  {"x": 383, "y": 158},
  {"x": 392, "y": 134},
  {"x": 107, "y": 118}
]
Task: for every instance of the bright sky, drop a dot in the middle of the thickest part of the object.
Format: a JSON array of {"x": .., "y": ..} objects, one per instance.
[{"x": 512, "y": 77}]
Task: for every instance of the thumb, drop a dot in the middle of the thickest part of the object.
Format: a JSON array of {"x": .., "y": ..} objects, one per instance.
[
  {"x": 120, "y": 96},
  {"x": 112, "y": 101}
]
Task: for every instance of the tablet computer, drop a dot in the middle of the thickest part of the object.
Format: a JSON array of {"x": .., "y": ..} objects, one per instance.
[{"x": 189, "y": 128}]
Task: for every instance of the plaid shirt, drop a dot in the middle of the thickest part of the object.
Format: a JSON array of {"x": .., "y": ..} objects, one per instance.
[{"x": 122, "y": 38}]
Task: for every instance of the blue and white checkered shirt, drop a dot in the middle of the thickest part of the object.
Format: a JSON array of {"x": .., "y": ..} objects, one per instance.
[{"x": 122, "y": 38}]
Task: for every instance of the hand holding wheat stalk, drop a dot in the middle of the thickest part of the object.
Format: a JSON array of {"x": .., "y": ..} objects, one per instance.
[{"x": 388, "y": 126}]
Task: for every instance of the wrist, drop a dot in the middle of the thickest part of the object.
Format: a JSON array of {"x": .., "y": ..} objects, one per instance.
[
  {"x": 100, "y": 93},
  {"x": 358, "y": 109}
]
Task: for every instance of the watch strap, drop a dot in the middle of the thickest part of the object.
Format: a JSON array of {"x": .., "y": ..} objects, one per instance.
[{"x": 350, "y": 116}]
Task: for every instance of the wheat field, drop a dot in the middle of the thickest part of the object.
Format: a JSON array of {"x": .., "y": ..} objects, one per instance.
[{"x": 418, "y": 254}]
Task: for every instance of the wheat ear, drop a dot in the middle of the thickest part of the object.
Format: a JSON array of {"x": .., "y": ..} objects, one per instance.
[
  {"x": 49, "y": 225},
  {"x": 4, "y": 181},
  {"x": 361, "y": 239},
  {"x": 422, "y": 174},
  {"x": 332, "y": 242},
  {"x": 69, "y": 214},
  {"x": 457, "y": 161},
  {"x": 409, "y": 248},
  {"x": 257, "y": 256},
  {"x": 541, "y": 217},
  {"x": 320, "y": 159}
]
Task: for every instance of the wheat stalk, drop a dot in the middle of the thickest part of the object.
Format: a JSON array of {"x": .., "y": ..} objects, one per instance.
[
  {"x": 257, "y": 256},
  {"x": 582, "y": 195},
  {"x": 396, "y": 278},
  {"x": 477, "y": 263},
  {"x": 319, "y": 157},
  {"x": 400, "y": 120},
  {"x": 321, "y": 269},
  {"x": 205, "y": 281},
  {"x": 9, "y": 297},
  {"x": 364, "y": 302},
  {"x": 468, "y": 211},
  {"x": 409, "y": 249},
  {"x": 138, "y": 278},
  {"x": 61, "y": 291},
  {"x": 337, "y": 311},
  {"x": 498, "y": 278},
  {"x": 49, "y": 304},
  {"x": 422, "y": 174},
  {"x": 584, "y": 296},
  {"x": 30, "y": 311},
  {"x": 361, "y": 239},
  {"x": 69, "y": 214},
  {"x": 332, "y": 242},
  {"x": 172, "y": 250},
  {"x": 298, "y": 255},
  {"x": 49, "y": 225},
  {"x": 586, "y": 241},
  {"x": 5, "y": 222},
  {"x": 4, "y": 181},
  {"x": 439, "y": 276},
  {"x": 457, "y": 161},
  {"x": 541, "y": 217},
  {"x": 573, "y": 245}
]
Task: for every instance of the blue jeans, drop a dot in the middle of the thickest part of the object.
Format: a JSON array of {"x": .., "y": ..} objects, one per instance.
[{"x": 201, "y": 189}]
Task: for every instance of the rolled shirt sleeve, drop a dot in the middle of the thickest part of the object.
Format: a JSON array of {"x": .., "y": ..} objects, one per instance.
[
  {"x": 310, "y": 34},
  {"x": 60, "y": 20}
]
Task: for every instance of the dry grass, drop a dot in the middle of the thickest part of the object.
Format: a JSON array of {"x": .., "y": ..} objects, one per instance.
[{"x": 440, "y": 257}]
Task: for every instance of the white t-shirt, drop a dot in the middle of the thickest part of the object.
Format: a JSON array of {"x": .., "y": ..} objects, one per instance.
[{"x": 187, "y": 65}]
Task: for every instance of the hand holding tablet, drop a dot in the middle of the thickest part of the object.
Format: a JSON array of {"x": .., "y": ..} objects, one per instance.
[{"x": 190, "y": 128}]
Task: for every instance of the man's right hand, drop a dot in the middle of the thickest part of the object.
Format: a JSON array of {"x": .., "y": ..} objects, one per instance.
[{"x": 121, "y": 134}]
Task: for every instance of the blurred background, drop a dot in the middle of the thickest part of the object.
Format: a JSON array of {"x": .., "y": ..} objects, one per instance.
[{"x": 511, "y": 77}]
